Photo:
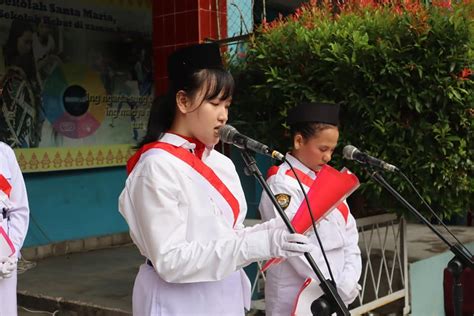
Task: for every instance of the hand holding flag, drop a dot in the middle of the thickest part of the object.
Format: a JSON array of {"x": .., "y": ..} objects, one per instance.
[{"x": 328, "y": 191}]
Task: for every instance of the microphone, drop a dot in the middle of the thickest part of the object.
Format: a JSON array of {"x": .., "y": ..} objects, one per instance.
[
  {"x": 229, "y": 135},
  {"x": 352, "y": 153}
]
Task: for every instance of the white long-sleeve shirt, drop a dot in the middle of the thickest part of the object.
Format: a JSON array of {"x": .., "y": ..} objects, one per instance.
[
  {"x": 339, "y": 236},
  {"x": 16, "y": 223},
  {"x": 187, "y": 229}
]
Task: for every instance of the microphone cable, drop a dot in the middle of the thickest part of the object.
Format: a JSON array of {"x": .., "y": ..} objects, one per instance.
[
  {"x": 440, "y": 221},
  {"x": 312, "y": 222}
]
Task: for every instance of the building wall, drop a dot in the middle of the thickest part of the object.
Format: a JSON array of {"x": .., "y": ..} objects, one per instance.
[{"x": 72, "y": 205}]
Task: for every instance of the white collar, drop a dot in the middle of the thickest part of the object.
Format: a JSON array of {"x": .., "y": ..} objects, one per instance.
[
  {"x": 179, "y": 141},
  {"x": 176, "y": 140}
]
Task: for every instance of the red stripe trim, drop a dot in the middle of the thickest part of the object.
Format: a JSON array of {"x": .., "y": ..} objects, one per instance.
[
  {"x": 4, "y": 235},
  {"x": 304, "y": 178},
  {"x": 5, "y": 185},
  {"x": 194, "y": 162},
  {"x": 271, "y": 262},
  {"x": 303, "y": 287},
  {"x": 344, "y": 210}
]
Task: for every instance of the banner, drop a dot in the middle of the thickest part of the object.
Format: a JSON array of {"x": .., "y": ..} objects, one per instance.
[{"x": 76, "y": 80}]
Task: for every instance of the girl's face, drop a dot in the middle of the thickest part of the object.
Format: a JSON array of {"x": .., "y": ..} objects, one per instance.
[
  {"x": 317, "y": 150},
  {"x": 204, "y": 118},
  {"x": 24, "y": 43}
]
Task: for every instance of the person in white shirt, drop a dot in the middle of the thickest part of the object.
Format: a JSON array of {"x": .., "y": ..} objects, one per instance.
[
  {"x": 314, "y": 134},
  {"x": 184, "y": 203},
  {"x": 14, "y": 220}
]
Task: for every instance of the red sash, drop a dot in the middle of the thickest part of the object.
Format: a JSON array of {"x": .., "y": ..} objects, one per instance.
[
  {"x": 195, "y": 163},
  {"x": 304, "y": 178},
  {"x": 5, "y": 185}
]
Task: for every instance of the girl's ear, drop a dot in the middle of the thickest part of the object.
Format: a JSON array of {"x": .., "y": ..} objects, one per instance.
[
  {"x": 183, "y": 102},
  {"x": 298, "y": 141}
]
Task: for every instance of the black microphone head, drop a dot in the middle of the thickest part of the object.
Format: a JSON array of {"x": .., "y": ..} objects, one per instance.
[
  {"x": 349, "y": 151},
  {"x": 227, "y": 133}
]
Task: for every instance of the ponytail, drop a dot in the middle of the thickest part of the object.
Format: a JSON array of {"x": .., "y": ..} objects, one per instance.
[{"x": 162, "y": 114}]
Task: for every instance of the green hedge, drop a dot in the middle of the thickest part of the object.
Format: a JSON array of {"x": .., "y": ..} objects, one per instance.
[{"x": 403, "y": 76}]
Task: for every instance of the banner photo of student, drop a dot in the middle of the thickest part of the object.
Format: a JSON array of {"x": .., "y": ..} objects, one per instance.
[{"x": 76, "y": 82}]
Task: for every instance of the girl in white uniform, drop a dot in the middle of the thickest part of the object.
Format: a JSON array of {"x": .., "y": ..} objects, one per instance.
[
  {"x": 14, "y": 219},
  {"x": 184, "y": 203},
  {"x": 314, "y": 135}
]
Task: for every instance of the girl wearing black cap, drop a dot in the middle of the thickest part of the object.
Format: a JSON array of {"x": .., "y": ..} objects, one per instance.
[
  {"x": 314, "y": 134},
  {"x": 184, "y": 203}
]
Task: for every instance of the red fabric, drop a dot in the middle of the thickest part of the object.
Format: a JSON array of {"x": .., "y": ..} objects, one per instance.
[
  {"x": 272, "y": 171},
  {"x": 304, "y": 178},
  {"x": 8, "y": 241},
  {"x": 196, "y": 163},
  {"x": 330, "y": 188},
  {"x": 199, "y": 150},
  {"x": 303, "y": 287},
  {"x": 344, "y": 211},
  {"x": 5, "y": 185},
  {"x": 307, "y": 181},
  {"x": 467, "y": 280}
]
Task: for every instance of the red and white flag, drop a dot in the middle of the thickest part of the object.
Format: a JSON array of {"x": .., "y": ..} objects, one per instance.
[{"x": 327, "y": 193}]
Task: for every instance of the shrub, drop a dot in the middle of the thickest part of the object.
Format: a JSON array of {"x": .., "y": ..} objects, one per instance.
[{"x": 402, "y": 72}]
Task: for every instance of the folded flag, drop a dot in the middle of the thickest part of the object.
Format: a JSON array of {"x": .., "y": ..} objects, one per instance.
[{"x": 328, "y": 191}]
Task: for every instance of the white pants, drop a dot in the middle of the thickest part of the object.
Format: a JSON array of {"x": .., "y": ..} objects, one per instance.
[
  {"x": 154, "y": 297},
  {"x": 8, "y": 305}
]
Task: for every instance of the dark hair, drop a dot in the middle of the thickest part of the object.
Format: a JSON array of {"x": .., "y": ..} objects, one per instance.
[
  {"x": 309, "y": 129},
  {"x": 10, "y": 49},
  {"x": 215, "y": 81}
]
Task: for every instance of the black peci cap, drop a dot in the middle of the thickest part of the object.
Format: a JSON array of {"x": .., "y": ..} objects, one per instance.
[
  {"x": 190, "y": 59},
  {"x": 327, "y": 113}
]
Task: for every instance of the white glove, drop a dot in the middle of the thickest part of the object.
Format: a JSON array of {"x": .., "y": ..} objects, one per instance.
[
  {"x": 271, "y": 243},
  {"x": 7, "y": 266},
  {"x": 284, "y": 244}
]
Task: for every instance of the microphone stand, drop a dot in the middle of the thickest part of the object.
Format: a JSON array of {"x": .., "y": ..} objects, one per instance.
[
  {"x": 330, "y": 302},
  {"x": 461, "y": 258}
]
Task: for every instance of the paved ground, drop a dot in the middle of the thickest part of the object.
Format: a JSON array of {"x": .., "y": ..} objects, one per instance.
[
  {"x": 100, "y": 282},
  {"x": 102, "y": 278}
]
